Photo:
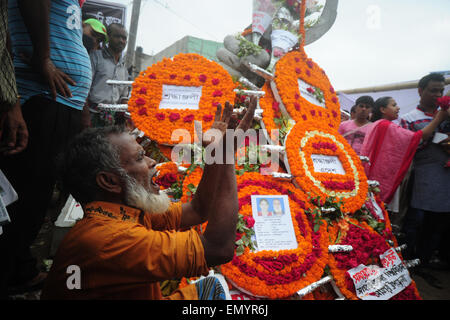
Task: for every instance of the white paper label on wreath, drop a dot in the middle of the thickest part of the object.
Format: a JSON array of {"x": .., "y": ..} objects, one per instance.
[
  {"x": 179, "y": 97},
  {"x": 274, "y": 229},
  {"x": 327, "y": 164},
  {"x": 306, "y": 91},
  {"x": 261, "y": 21},
  {"x": 375, "y": 283},
  {"x": 283, "y": 39}
]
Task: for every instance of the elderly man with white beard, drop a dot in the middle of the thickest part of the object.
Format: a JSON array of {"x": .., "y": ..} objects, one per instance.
[{"x": 129, "y": 239}]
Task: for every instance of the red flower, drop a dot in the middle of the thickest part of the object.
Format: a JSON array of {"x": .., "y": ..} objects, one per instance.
[
  {"x": 187, "y": 77},
  {"x": 308, "y": 73},
  {"x": 297, "y": 59},
  {"x": 208, "y": 118},
  {"x": 310, "y": 90},
  {"x": 297, "y": 106},
  {"x": 238, "y": 236},
  {"x": 152, "y": 76},
  {"x": 298, "y": 70},
  {"x": 334, "y": 99},
  {"x": 215, "y": 81},
  {"x": 249, "y": 221},
  {"x": 167, "y": 180},
  {"x": 313, "y": 113},
  {"x": 332, "y": 90},
  {"x": 142, "y": 111},
  {"x": 174, "y": 117},
  {"x": 189, "y": 118},
  {"x": 217, "y": 93},
  {"x": 160, "y": 116},
  {"x": 243, "y": 98},
  {"x": 297, "y": 96},
  {"x": 173, "y": 76},
  {"x": 143, "y": 90},
  {"x": 309, "y": 63},
  {"x": 276, "y": 106},
  {"x": 334, "y": 114},
  {"x": 202, "y": 78},
  {"x": 443, "y": 102},
  {"x": 140, "y": 101},
  {"x": 304, "y": 117}
]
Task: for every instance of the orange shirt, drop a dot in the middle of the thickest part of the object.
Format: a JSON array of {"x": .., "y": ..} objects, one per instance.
[{"x": 123, "y": 253}]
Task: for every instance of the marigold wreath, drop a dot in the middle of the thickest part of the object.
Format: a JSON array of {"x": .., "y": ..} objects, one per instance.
[
  {"x": 295, "y": 66},
  {"x": 367, "y": 246},
  {"x": 183, "y": 70},
  {"x": 307, "y": 139},
  {"x": 277, "y": 274}
]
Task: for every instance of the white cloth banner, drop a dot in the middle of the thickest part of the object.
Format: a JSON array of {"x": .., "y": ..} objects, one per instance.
[{"x": 283, "y": 39}]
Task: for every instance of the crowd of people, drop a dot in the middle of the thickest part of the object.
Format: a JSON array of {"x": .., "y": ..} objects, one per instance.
[
  {"x": 54, "y": 71},
  {"x": 410, "y": 161}
]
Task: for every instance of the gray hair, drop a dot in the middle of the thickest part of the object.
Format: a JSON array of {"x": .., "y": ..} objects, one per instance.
[{"x": 89, "y": 153}]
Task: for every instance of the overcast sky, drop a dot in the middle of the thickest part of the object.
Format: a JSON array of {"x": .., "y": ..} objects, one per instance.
[{"x": 372, "y": 42}]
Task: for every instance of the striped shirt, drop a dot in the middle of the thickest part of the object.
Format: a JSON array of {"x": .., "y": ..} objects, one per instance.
[
  {"x": 431, "y": 187},
  {"x": 8, "y": 90},
  {"x": 66, "y": 52}
]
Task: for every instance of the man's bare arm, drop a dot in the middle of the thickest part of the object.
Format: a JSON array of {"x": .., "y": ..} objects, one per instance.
[
  {"x": 216, "y": 197},
  {"x": 36, "y": 16}
]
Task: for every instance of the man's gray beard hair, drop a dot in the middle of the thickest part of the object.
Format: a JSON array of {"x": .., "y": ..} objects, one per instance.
[{"x": 137, "y": 196}]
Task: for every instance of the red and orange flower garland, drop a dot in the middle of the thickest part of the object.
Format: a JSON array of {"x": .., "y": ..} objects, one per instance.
[
  {"x": 311, "y": 138},
  {"x": 296, "y": 65},
  {"x": 278, "y": 274},
  {"x": 367, "y": 246},
  {"x": 188, "y": 70}
]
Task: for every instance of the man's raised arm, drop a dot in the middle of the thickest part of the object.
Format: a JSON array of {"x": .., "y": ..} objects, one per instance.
[{"x": 216, "y": 198}]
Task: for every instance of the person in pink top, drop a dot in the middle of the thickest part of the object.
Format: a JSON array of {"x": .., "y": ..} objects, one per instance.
[
  {"x": 390, "y": 147},
  {"x": 355, "y": 130}
]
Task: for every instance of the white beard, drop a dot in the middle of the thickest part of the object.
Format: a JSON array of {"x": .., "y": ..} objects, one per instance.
[{"x": 137, "y": 196}]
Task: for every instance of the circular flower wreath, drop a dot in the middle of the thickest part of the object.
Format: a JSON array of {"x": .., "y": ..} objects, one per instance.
[
  {"x": 310, "y": 138},
  {"x": 296, "y": 65},
  {"x": 367, "y": 246},
  {"x": 277, "y": 274},
  {"x": 188, "y": 70}
]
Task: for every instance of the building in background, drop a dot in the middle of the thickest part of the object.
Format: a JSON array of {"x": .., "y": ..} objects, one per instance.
[{"x": 188, "y": 44}]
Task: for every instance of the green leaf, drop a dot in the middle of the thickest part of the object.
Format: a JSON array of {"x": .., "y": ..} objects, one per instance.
[
  {"x": 240, "y": 250},
  {"x": 316, "y": 227}
]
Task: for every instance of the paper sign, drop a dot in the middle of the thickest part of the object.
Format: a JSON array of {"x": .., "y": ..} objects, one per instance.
[
  {"x": 70, "y": 214},
  {"x": 179, "y": 97},
  {"x": 274, "y": 229},
  {"x": 261, "y": 21},
  {"x": 7, "y": 191},
  {"x": 283, "y": 39},
  {"x": 4, "y": 217},
  {"x": 439, "y": 137},
  {"x": 327, "y": 164},
  {"x": 305, "y": 89},
  {"x": 375, "y": 283}
]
